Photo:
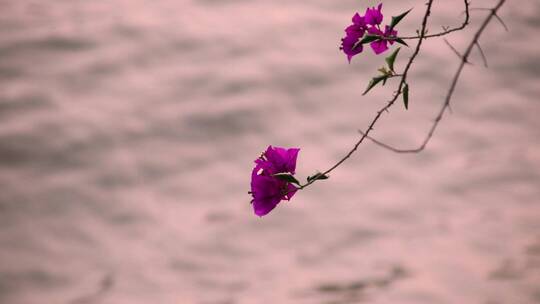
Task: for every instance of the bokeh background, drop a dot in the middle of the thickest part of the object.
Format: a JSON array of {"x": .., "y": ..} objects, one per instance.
[{"x": 128, "y": 130}]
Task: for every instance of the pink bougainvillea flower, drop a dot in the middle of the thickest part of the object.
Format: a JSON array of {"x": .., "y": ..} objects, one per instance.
[
  {"x": 267, "y": 190},
  {"x": 381, "y": 45},
  {"x": 350, "y": 47},
  {"x": 374, "y": 15},
  {"x": 358, "y": 28},
  {"x": 354, "y": 33},
  {"x": 370, "y": 24}
]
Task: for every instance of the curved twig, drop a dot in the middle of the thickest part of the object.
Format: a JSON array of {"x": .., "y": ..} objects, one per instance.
[
  {"x": 446, "y": 104},
  {"x": 445, "y": 31},
  {"x": 402, "y": 82},
  {"x": 484, "y": 59}
]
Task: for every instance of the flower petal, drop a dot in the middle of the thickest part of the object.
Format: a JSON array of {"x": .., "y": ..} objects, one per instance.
[
  {"x": 379, "y": 46},
  {"x": 348, "y": 46},
  {"x": 357, "y": 19},
  {"x": 355, "y": 30},
  {"x": 390, "y": 33},
  {"x": 373, "y": 15},
  {"x": 267, "y": 193},
  {"x": 292, "y": 155},
  {"x": 291, "y": 190},
  {"x": 264, "y": 206}
]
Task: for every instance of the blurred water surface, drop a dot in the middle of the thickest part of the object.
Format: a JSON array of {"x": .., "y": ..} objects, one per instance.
[{"x": 128, "y": 131}]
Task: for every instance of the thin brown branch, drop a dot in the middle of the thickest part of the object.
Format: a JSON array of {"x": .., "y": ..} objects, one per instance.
[
  {"x": 452, "y": 87},
  {"x": 495, "y": 15},
  {"x": 387, "y": 146},
  {"x": 445, "y": 31},
  {"x": 390, "y": 102}
]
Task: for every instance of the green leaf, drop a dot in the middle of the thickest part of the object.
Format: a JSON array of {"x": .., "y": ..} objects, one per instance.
[
  {"x": 400, "y": 41},
  {"x": 369, "y": 38},
  {"x": 366, "y": 39},
  {"x": 356, "y": 44},
  {"x": 397, "y": 19},
  {"x": 374, "y": 81},
  {"x": 287, "y": 177},
  {"x": 317, "y": 176},
  {"x": 391, "y": 59},
  {"x": 406, "y": 96}
]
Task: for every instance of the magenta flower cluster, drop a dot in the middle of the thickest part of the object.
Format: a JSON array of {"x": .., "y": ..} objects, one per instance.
[
  {"x": 268, "y": 190},
  {"x": 370, "y": 24}
]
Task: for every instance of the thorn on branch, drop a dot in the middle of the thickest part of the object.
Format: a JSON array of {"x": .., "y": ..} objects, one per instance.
[
  {"x": 460, "y": 56},
  {"x": 500, "y": 21},
  {"x": 481, "y": 53},
  {"x": 492, "y": 11}
]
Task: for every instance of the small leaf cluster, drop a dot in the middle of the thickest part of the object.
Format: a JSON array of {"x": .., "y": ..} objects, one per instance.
[
  {"x": 388, "y": 71},
  {"x": 287, "y": 177},
  {"x": 385, "y": 73}
]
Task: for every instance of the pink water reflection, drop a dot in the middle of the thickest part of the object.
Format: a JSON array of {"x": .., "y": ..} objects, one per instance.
[{"x": 129, "y": 129}]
